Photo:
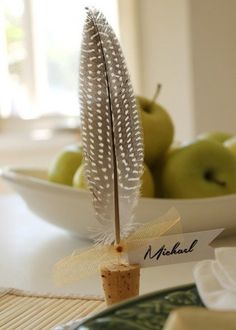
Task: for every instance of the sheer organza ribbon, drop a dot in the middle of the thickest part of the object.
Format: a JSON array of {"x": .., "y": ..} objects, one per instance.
[{"x": 83, "y": 263}]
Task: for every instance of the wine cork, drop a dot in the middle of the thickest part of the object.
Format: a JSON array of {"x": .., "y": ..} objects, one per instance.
[{"x": 120, "y": 282}]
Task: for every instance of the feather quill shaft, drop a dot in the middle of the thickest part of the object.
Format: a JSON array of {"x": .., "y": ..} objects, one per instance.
[
  {"x": 116, "y": 188},
  {"x": 111, "y": 130}
]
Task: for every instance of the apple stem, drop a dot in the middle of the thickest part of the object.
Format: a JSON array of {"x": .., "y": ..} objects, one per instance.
[{"x": 156, "y": 94}]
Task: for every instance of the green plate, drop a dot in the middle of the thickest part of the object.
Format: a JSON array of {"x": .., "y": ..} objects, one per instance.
[{"x": 149, "y": 311}]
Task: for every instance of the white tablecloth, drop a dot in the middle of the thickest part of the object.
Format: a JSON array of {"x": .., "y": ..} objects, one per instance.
[{"x": 29, "y": 247}]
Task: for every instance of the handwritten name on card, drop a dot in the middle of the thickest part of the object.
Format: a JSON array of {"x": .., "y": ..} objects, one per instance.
[{"x": 175, "y": 249}]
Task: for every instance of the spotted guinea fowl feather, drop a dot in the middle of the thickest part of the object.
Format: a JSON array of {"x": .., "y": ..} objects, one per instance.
[{"x": 111, "y": 130}]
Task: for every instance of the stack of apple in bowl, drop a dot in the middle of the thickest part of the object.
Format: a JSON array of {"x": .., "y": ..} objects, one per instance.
[
  {"x": 204, "y": 167},
  {"x": 198, "y": 178}
]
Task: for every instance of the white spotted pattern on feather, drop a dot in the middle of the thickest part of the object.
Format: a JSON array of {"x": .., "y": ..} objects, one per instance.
[{"x": 111, "y": 129}]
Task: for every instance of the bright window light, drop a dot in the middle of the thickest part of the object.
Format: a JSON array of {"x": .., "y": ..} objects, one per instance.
[{"x": 41, "y": 54}]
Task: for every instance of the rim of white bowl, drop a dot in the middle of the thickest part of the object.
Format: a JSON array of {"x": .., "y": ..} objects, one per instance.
[{"x": 15, "y": 174}]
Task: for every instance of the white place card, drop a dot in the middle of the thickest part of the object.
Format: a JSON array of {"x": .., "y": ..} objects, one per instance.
[{"x": 174, "y": 249}]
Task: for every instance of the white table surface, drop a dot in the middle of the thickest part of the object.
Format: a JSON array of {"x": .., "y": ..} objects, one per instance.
[{"x": 29, "y": 247}]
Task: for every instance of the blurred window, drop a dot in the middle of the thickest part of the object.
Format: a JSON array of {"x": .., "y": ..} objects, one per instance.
[{"x": 39, "y": 54}]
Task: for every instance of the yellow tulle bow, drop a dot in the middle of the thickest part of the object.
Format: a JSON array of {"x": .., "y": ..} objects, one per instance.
[{"x": 83, "y": 263}]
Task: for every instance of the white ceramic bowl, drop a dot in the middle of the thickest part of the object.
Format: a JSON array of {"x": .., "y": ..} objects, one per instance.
[{"x": 71, "y": 208}]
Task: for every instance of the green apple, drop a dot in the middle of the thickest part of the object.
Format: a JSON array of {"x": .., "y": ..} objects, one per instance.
[
  {"x": 147, "y": 186},
  {"x": 158, "y": 129},
  {"x": 202, "y": 168},
  {"x": 79, "y": 179},
  {"x": 215, "y": 136},
  {"x": 231, "y": 145},
  {"x": 65, "y": 164}
]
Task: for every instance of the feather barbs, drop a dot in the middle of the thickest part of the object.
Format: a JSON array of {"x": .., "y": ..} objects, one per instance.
[{"x": 111, "y": 129}]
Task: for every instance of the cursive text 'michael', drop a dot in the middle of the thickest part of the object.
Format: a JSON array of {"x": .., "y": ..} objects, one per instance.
[{"x": 165, "y": 252}]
